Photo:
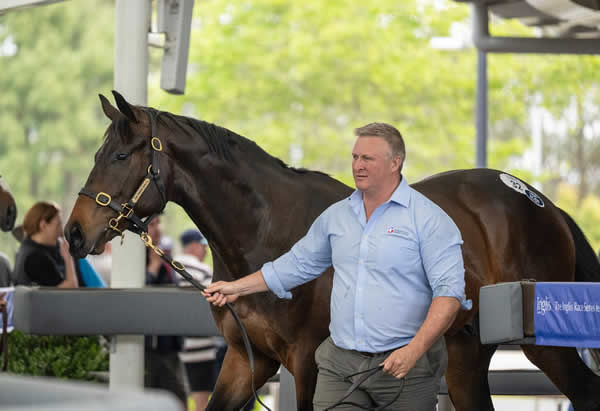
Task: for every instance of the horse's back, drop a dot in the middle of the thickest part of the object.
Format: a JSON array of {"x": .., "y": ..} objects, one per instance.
[{"x": 510, "y": 230}]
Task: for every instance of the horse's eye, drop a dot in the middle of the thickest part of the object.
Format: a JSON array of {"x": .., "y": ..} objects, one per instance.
[{"x": 122, "y": 156}]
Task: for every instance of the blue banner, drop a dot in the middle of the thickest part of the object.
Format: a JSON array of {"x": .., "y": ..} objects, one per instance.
[{"x": 567, "y": 314}]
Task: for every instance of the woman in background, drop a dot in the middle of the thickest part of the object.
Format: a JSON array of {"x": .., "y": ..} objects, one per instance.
[{"x": 43, "y": 257}]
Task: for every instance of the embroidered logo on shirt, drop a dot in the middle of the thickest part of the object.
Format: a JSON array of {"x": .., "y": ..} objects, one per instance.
[{"x": 390, "y": 230}]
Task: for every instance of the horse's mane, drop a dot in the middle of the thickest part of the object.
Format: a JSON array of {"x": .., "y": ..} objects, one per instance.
[{"x": 221, "y": 140}]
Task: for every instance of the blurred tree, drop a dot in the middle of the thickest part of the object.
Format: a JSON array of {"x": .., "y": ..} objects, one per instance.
[
  {"x": 294, "y": 77},
  {"x": 572, "y": 130},
  {"x": 297, "y": 78},
  {"x": 54, "y": 60}
]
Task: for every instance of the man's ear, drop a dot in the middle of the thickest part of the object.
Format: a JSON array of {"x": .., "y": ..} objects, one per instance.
[
  {"x": 109, "y": 110},
  {"x": 397, "y": 161},
  {"x": 124, "y": 106}
]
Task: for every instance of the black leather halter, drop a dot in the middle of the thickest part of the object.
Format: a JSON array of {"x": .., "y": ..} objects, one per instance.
[{"x": 126, "y": 210}]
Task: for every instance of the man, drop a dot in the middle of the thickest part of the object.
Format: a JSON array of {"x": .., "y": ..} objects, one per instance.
[
  {"x": 163, "y": 368},
  {"x": 199, "y": 355},
  {"x": 397, "y": 287}
]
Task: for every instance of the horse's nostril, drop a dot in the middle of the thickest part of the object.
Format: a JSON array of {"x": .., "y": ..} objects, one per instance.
[{"x": 75, "y": 237}]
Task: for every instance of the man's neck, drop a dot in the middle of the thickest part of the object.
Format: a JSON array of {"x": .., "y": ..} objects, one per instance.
[{"x": 373, "y": 199}]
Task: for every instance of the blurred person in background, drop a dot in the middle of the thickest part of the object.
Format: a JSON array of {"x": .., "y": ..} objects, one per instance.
[
  {"x": 102, "y": 263},
  {"x": 43, "y": 257},
  {"x": 162, "y": 364},
  {"x": 199, "y": 355}
]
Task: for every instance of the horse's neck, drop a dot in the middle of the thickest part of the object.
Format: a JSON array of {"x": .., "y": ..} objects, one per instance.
[{"x": 251, "y": 213}]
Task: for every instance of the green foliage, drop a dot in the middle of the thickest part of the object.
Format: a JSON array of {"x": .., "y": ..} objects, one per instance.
[
  {"x": 63, "y": 357},
  {"x": 587, "y": 215},
  {"x": 50, "y": 120},
  {"x": 296, "y": 77}
]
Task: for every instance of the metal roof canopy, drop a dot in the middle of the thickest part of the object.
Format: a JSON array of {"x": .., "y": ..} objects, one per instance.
[
  {"x": 573, "y": 22},
  {"x": 8, "y": 5}
]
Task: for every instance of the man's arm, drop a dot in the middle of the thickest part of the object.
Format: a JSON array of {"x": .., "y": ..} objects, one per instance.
[
  {"x": 306, "y": 260},
  {"x": 440, "y": 316},
  {"x": 223, "y": 292}
]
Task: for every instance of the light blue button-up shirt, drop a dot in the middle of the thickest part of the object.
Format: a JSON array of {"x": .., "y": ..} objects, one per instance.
[{"x": 387, "y": 270}]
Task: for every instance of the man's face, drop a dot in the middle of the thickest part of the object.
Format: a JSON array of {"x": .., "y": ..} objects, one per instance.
[{"x": 373, "y": 166}]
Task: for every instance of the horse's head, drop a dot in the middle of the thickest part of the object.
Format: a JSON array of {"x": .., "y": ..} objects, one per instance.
[
  {"x": 8, "y": 208},
  {"x": 126, "y": 183}
]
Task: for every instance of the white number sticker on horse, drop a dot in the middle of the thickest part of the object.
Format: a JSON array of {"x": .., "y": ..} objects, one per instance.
[{"x": 522, "y": 188}]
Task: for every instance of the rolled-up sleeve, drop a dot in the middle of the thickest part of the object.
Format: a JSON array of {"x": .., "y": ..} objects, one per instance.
[
  {"x": 442, "y": 258},
  {"x": 306, "y": 260}
]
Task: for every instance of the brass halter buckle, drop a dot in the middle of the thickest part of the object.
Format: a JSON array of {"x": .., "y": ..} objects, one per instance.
[
  {"x": 113, "y": 223},
  {"x": 103, "y": 199},
  {"x": 127, "y": 211},
  {"x": 156, "y": 144}
]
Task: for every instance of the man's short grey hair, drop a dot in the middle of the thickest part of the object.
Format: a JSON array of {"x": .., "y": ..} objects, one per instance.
[{"x": 388, "y": 133}]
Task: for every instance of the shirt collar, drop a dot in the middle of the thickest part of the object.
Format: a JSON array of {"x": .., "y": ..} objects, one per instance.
[{"x": 401, "y": 195}]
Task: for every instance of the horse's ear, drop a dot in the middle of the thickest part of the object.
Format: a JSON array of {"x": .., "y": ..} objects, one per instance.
[
  {"x": 110, "y": 111},
  {"x": 124, "y": 106}
]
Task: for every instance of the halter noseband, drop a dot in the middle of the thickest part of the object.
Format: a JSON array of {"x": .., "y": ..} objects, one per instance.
[{"x": 125, "y": 210}]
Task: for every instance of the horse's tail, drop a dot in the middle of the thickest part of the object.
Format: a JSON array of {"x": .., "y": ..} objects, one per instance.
[{"x": 587, "y": 266}]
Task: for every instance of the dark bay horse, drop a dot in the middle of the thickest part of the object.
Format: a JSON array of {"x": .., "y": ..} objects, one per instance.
[
  {"x": 252, "y": 208},
  {"x": 8, "y": 207}
]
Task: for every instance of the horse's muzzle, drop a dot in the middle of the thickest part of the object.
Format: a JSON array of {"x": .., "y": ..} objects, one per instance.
[{"x": 74, "y": 235}]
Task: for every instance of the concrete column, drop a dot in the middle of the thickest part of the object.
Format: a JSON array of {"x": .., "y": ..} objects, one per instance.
[{"x": 132, "y": 24}]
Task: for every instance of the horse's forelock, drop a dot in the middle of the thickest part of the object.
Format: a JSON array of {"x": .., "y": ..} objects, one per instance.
[{"x": 122, "y": 129}]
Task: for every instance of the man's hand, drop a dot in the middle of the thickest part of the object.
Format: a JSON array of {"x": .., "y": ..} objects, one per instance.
[
  {"x": 2, "y": 300},
  {"x": 221, "y": 292},
  {"x": 400, "y": 362}
]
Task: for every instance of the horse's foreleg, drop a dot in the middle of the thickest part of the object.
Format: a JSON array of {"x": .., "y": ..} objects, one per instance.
[
  {"x": 569, "y": 373},
  {"x": 234, "y": 387},
  {"x": 467, "y": 374}
]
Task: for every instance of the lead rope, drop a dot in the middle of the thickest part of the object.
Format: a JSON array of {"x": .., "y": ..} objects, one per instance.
[
  {"x": 180, "y": 269},
  {"x": 367, "y": 373}
]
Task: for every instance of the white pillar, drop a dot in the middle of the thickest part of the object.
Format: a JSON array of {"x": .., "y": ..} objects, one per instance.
[{"x": 132, "y": 23}]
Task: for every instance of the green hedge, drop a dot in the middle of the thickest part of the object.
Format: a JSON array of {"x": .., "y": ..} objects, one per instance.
[{"x": 63, "y": 357}]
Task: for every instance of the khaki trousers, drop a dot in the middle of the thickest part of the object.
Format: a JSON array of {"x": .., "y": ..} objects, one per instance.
[{"x": 419, "y": 392}]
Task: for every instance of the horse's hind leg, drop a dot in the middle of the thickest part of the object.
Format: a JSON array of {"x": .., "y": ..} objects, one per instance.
[
  {"x": 569, "y": 373},
  {"x": 467, "y": 374}
]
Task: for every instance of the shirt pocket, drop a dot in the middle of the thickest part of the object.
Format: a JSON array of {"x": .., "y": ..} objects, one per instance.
[{"x": 398, "y": 251}]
